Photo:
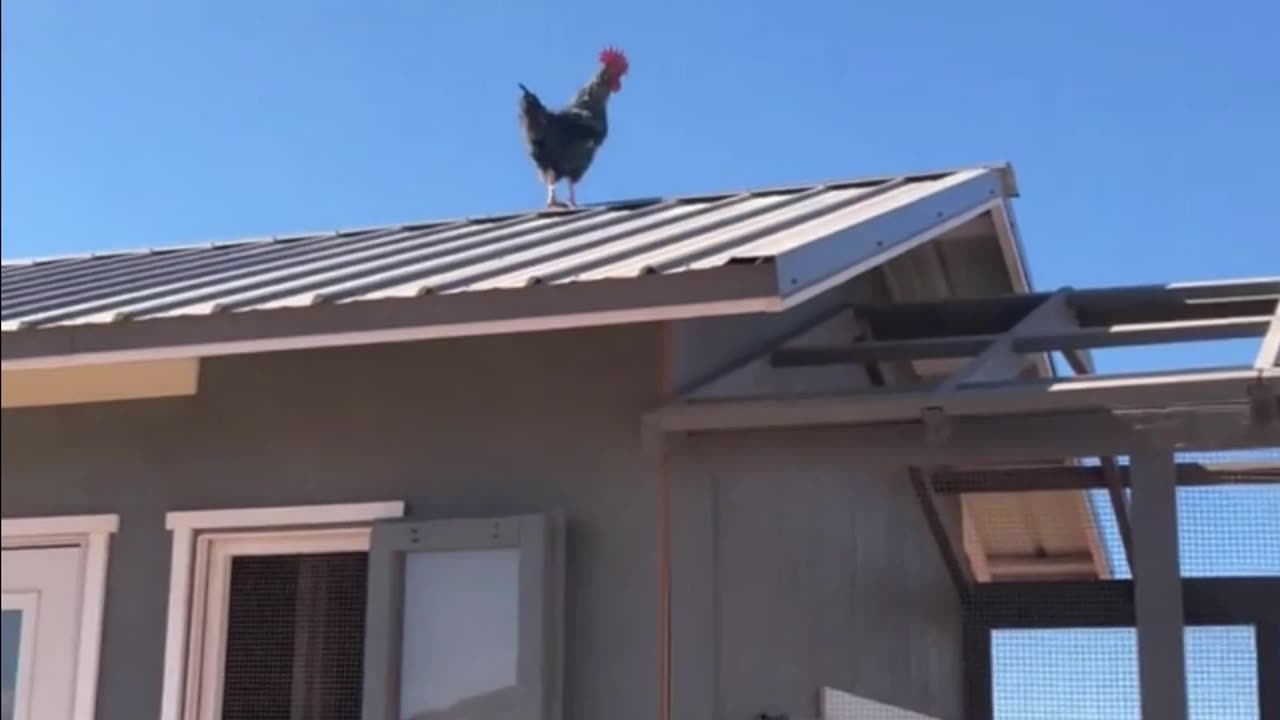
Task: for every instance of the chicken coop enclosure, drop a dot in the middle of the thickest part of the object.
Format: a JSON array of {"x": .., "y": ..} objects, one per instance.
[{"x": 1114, "y": 538}]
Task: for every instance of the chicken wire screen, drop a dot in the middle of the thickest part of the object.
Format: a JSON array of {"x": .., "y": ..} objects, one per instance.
[
  {"x": 1092, "y": 674},
  {"x": 1231, "y": 529},
  {"x": 1057, "y": 659},
  {"x": 295, "y": 637}
]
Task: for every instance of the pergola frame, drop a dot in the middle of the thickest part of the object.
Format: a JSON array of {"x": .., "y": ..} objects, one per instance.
[
  {"x": 1000, "y": 333},
  {"x": 987, "y": 412}
]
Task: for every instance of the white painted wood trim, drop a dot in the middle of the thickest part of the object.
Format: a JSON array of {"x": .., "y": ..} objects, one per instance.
[
  {"x": 885, "y": 256},
  {"x": 283, "y": 516},
  {"x": 81, "y": 525},
  {"x": 1010, "y": 246},
  {"x": 175, "y": 646},
  {"x": 208, "y": 643},
  {"x": 92, "y": 533},
  {"x": 92, "y": 608},
  {"x": 190, "y": 568}
]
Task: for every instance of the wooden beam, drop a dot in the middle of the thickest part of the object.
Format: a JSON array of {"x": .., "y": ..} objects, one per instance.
[
  {"x": 973, "y": 441},
  {"x": 946, "y": 533},
  {"x": 1151, "y": 333},
  {"x": 974, "y": 548},
  {"x": 1066, "y": 340},
  {"x": 1188, "y": 302},
  {"x": 1109, "y": 603},
  {"x": 1093, "y": 306},
  {"x": 1115, "y": 393},
  {"x": 1157, "y": 596},
  {"x": 1269, "y": 350},
  {"x": 1000, "y": 360},
  {"x": 978, "y": 686},
  {"x": 1266, "y": 638},
  {"x": 1088, "y": 477},
  {"x": 1119, "y": 504},
  {"x": 883, "y": 351},
  {"x": 1066, "y": 566}
]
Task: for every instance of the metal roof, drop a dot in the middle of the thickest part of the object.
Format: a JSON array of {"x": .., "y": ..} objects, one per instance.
[{"x": 806, "y": 233}]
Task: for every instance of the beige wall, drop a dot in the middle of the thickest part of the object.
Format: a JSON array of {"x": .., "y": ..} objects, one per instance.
[{"x": 787, "y": 554}]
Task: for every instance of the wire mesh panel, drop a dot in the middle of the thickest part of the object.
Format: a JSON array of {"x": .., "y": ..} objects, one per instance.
[
  {"x": 1230, "y": 528},
  {"x": 1093, "y": 673},
  {"x": 1222, "y": 673},
  {"x": 1065, "y": 673},
  {"x": 1048, "y": 548},
  {"x": 295, "y": 637}
]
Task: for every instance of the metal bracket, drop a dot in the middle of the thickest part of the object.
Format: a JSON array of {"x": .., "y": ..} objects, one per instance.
[
  {"x": 1264, "y": 405},
  {"x": 937, "y": 426}
]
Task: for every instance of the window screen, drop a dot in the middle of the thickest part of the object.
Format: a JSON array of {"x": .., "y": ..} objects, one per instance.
[{"x": 295, "y": 637}]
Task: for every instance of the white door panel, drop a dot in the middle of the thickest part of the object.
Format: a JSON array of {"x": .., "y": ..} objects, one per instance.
[{"x": 41, "y": 617}]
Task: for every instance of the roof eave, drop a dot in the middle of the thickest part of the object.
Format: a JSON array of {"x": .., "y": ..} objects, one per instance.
[
  {"x": 732, "y": 289},
  {"x": 772, "y": 282}
]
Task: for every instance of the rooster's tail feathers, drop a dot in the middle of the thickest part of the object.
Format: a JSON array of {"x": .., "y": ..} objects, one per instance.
[
  {"x": 532, "y": 113},
  {"x": 529, "y": 102}
]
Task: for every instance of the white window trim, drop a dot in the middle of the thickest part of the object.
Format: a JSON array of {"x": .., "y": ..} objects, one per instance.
[
  {"x": 189, "y": 572},
  {"x": 91, "y": 533},
  {"x": 211, "y": 595}
]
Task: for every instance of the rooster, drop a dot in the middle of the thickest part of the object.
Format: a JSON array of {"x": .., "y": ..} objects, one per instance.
[{"x": 563, "y": 142}]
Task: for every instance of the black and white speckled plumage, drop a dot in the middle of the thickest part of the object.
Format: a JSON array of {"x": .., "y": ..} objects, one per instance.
[{"x": 563, "y": 143}]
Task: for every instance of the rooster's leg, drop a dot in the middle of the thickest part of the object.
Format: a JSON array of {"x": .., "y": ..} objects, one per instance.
[
  {"x": 573, "y": 202},
  {"x": 552, "y": 200}
]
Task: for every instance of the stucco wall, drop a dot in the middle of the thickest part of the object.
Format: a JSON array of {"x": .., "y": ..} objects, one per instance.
[{"x": 797, "y": 546}]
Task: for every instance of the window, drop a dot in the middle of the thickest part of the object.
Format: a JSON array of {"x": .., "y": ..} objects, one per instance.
[
  {"x": 295, "y": 636},
  {"x": 267, "y": 612},
  {"x": 279, "y": 625},
  {"x": 464, "y": 620},
  {"x": 315, "y": 621}
]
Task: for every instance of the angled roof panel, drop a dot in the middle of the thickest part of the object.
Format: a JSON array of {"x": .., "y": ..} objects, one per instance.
[{"x": 806, "y": 233}]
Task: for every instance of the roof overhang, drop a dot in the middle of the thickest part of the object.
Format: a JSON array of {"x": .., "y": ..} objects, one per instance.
[
  {"x": 774, "y": 275},
  {"x": 728, "y": 290},
  {"x": 996, "y": 335}
]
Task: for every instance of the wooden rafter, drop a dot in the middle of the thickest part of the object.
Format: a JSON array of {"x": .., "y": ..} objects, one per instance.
[
  {"x": 1087, "y": 477},
  {"x": 1269, "y": 351}
]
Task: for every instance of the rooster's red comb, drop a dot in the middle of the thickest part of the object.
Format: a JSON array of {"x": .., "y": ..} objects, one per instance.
[{"x": 613, "y": 58}]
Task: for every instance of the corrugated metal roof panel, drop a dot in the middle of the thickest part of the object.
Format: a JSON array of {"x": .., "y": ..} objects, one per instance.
[{"x": 621, "y": 240}]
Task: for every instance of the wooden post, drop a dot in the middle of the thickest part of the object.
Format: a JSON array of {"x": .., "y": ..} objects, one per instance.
[
  {"x": 1157, "y": 585},
  {"x": 1267, "y": 641}
]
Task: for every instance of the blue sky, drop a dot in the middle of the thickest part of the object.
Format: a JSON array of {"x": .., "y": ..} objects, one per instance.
[{"x": 1144, "y": 138}]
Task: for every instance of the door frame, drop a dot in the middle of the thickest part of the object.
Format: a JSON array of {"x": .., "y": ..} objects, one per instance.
[{"x": 91, "y": 534}]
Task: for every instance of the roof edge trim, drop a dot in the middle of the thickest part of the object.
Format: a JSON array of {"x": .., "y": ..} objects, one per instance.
[
  {"x": 733, "y": 290},
  {"x": 407, "y": 334}
]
